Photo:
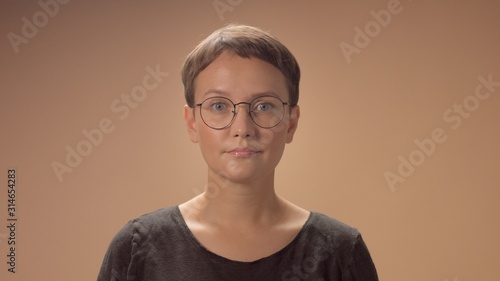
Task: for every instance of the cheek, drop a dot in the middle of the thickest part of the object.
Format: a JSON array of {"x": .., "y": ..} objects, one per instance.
[
  {"x": 207, "y": 136},
  {"x": 209, "y": 146},
  {"x": 276, "y": 134}
]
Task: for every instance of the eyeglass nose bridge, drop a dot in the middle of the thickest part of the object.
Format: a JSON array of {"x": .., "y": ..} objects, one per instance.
[
  {"x": 236, "y": 112},
  {"x": 243, "y": 102}
]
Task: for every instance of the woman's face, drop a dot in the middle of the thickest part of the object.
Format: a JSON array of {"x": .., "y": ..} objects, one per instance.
[{"x": 242, "y": 152}]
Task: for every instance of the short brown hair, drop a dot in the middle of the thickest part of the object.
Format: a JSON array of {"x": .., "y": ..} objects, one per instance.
[{"x": 244, "y": 41}]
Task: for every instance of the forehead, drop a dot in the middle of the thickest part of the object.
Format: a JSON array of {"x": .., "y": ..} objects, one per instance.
[{"x": 240, "y": 78}]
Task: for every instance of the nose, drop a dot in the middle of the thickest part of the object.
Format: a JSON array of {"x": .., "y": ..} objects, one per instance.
[{"x": 243, "y": 125}]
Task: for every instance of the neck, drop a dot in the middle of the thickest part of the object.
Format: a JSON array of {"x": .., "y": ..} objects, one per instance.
[{"x": 230, "y": 203}]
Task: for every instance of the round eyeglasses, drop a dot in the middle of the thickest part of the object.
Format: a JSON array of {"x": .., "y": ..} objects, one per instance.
[{"x": 219, "y": 112}]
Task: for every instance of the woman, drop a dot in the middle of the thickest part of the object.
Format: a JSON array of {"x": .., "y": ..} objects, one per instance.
[{"x": 241, "y": 88}]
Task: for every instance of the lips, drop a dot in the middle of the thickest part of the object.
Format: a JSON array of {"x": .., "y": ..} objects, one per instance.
[{"x": 243, "y": 152}]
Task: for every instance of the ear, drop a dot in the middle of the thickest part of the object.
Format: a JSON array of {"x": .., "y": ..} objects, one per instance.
[
  {"x": 292, "y": 123},
  {"x": 190, "y": 123}
]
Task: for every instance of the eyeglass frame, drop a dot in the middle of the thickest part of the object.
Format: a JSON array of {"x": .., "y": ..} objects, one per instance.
[{"x": 249, "y": 111}]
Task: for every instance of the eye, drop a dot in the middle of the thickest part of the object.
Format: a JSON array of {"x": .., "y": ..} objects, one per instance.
[
  {"x": 263, "y": 106},
  {"x": 219, "y": 105}
]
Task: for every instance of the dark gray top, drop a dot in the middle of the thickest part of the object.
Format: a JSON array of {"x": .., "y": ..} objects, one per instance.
[{"x": 159, "y": 246}]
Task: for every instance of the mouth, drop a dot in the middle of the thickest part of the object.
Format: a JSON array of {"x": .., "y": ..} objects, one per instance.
[{"x": 243, "y": 152}]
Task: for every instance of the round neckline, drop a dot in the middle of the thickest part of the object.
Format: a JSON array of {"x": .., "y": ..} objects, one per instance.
[{"x": 198, "y": 245}]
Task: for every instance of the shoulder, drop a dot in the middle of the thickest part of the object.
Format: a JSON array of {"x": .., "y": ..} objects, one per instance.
[
  {"x": 344, "y": 244},
  {"x": 327, "y": 225},
  {"x": 134, "y": 241},
  {"x": 144, "y": 230},
  {"x": 329, "y": 233},
  {"x": 162, "y": 221},
  {"x": 146, "y": 225},
  {"x": 167, "y": 215}
]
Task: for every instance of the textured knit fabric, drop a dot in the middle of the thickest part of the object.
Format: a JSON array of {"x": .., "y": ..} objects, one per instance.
[{"x": 160, "y": 246}]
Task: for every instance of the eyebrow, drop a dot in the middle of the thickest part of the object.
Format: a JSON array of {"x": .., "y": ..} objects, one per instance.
[
  {"x": 214, "y": 91},
  {"x": 225, "y": 94}
]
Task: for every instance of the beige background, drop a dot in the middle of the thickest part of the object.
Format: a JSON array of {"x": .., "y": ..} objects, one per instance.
[{"x": 441, "y": 223}]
